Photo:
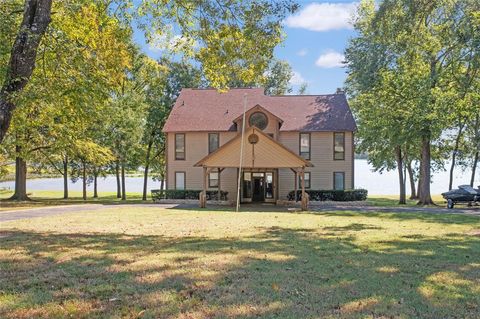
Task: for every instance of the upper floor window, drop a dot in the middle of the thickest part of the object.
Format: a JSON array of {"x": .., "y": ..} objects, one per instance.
[
  {"x": 180, "y": 146},
  {"x": 339, "y": 146},
  {"x": 339, "y": 181},
  {"x": 259, "y": 120},
  {"x": 213, "y": 142},
  {"x": 305, "y": 145}
]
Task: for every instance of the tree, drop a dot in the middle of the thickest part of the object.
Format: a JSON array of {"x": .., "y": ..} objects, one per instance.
[
  {"x": 88, "y": 157},
  {"x": 66, "y": 92},
  {"x": 419, "y": 45},
  {"x": 160, "y": 98},
  {"x": 275, "y": 80},
  {"x": 223, "y": 36},
  {"x": 127, "y": 111},
  {"x": 302, "y": 90},
  {"x": 36, "y": 18}
]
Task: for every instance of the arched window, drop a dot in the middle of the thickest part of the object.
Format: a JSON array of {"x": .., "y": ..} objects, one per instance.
[{"x": 259, "y": 120}]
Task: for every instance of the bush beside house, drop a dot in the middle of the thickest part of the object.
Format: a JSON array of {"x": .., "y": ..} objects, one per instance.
[
  {"x": 331, "y": 195},
  {"x": 186, "y": 194}
]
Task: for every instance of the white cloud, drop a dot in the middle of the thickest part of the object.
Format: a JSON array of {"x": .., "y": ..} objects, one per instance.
[
  {"x": 167, "y": 42},
  {"x": 297, "y": 79},
  {"x": 323, "y": 16},
  {"x": 302, "y": 52},
  {"x": 330, "y": 59}
]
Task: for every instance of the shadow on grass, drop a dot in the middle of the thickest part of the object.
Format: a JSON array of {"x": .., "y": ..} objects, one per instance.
[
  {"x": 432, "y": 217},
  {"x": 280, "y": 273},
  {"x": 50, "y": 201}
]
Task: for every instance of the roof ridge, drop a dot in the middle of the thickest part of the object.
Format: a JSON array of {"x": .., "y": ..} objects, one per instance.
[
  {"x": 295, "y": 95},
  {"x": 236, "y": 88}
]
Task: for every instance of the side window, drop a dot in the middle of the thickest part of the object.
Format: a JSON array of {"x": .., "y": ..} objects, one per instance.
[
  {"x": 338, "y": 146},
  {"x": 180, "y": 146},
  {"x": 305, "y": 145},
  {"x": 180, "y": 180},
  {"x": 339, "y": 181},
  {"x": 213, "y": 142},
  {"x": 307, "y": 180},
  {"x": 213, "y": 179}
]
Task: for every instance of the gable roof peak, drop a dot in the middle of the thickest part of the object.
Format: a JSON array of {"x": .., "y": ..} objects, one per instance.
[{"x": 258, "y": 107}]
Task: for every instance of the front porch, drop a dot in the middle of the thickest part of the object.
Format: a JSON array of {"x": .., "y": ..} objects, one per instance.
[{"x": 257, "y": 167}]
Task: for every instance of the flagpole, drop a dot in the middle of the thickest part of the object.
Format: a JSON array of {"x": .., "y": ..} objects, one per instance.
[{"x": 241, "y": 152}]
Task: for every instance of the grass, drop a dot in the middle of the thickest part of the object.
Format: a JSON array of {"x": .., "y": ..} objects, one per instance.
[
  {"x": 145, "y": 262},
  {"x": 55, "y": 198},
  {"x": 392, "y": 200}
]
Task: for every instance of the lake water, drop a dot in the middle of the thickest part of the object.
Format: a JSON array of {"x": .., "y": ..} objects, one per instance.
[{"x": 375, "y": 183}]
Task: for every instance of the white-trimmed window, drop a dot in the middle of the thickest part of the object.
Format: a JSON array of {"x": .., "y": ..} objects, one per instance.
[
  {"x": 307, "y": 180},
  {"x": 339, "y": 146},
  {"x": 305, "y": 145},
  {"x": 180, "y": 146},
  {"x": 339, "y": 181},
  {"x": 213, "y": 142},
  {"x": 213, "y": 179},
  {"x": 180, "y": 180}
]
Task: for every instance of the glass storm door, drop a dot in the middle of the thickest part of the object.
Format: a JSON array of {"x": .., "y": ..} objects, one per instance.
[{"x": 258, "y": 189}]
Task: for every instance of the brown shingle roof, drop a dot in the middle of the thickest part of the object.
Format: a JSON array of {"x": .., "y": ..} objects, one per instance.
[{"x": 209, "y": 110}]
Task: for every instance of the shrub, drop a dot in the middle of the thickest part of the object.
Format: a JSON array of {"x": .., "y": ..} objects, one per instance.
[
  {"x": 333, "y": 195},
  {"x": 185, "y": 194}
]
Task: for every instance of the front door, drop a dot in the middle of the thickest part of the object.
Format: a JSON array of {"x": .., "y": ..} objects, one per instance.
[{"x": 258, "y": 191}]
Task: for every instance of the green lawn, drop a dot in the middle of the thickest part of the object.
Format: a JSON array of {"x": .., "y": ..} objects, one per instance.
[
  {"x": 392, "y": 200},
  {"x": 159, "y": 263}
]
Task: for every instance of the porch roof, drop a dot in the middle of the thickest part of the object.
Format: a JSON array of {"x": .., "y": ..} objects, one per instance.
[{"x": 264, "y": 153}]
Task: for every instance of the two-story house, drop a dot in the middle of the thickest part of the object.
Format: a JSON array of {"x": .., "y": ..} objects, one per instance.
[{"x": 285, "y": 137}]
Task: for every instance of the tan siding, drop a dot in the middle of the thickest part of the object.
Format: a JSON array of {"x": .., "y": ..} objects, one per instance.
[
  {"x": 196, "y": 148},
  {"x": 322, "y": 159},
  {"x": 266, "y": 153}
]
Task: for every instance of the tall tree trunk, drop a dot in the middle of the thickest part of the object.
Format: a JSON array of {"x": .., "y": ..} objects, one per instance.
[
  {"x": 20, "y": 178},
  {"x": 124, "y": 194},
  {"x": 399, "y": 159},
  {"x": 477, "y": 145},
  {"x": 36, "y": 17},
  {"x": 84, "y": 180},
  {"x": 117, "y": 174},
  {"x": 65, "y": 177},
  {"x": 145, "y": 173},
  {"x": 95, "y": 177},
  {"x": 474, "y": 168},
  {"x": 454, "y": 156},
  {"x": 418, "y": 187},
  {"x": 411, "y": 176},
  {"x": 424, "y": 197},
  {"x": 162, "y": 183}
]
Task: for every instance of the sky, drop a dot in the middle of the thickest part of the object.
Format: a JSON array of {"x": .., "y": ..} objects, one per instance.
[{"x": 316, "y": 37}]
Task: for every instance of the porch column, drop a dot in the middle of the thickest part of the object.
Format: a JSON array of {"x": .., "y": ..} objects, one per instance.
[
  {"x": 304, "y": 195},
  {"x": 203, "y": 194},
  {"x": 295, "y": 182},
  {"x": 219, "y": 196},
  {"x": 296, "y": 185}
]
